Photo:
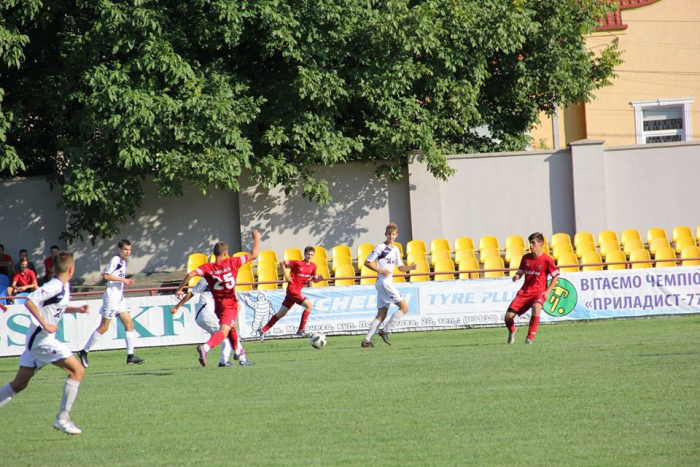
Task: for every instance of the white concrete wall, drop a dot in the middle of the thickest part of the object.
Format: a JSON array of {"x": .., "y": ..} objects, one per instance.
[
  {"x": 362, "y": 207},
  {"x": 498, "y": 194}
]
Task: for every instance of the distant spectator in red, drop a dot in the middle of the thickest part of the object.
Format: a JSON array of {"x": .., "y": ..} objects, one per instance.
[
  {"x": 24, "y": 281},
  {"x": 5, "y": 262},
  {"x": 23, "y": 254},
  {"x": 48, "y": 264}
]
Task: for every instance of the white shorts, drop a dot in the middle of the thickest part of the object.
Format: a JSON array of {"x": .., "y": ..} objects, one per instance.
[
  {"x": 112, "y": 308},
  {"x": 47, "y": 351},
  {"x": 206, "y": 318},
  {"x": 387, "y": 294}
]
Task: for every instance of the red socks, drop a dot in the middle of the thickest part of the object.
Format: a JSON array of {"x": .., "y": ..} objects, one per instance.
[
  {"x": 304, "y": 317},
  {"x": 215, "y": 339},
  {"x": 233, "y": 338},
  {"x": 534, "y": 322},
  {"x": 270, "y": 323},
  {"x": 510, "y": 324}
]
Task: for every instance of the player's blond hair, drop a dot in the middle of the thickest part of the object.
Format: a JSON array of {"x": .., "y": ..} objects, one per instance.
[
  {"x": 220, "y": 248},
  {"x": 63, "y": 261},
  {"x": 392, "y": 227}
]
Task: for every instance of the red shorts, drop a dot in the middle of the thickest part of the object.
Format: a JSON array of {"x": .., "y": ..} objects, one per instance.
[
  {"x": 227, "y": 312},
  {"x": 292, "y": 299},
  {"x": 524, "y": 301}
]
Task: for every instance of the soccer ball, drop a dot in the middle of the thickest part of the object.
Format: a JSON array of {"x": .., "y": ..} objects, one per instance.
[{"x": 318, "y": 340}]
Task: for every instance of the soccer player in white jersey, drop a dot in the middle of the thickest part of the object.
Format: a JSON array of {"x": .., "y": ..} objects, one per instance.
[
  {"x": 206, "y": 319},
  {"x": 114, "y": 304},
  {"x": 46, "y": 306},
  {"x": 387, "y": 255}
]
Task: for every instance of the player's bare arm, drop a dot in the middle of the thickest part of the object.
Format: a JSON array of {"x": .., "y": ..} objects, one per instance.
[
  {"x": 371, "y": 266},
  {"x": 78, "y": 309},
  {"x": 182, "y": 301},
  {"x": 179, "y": 292},
  {"x": 110, "y": 277},
  {"x": 517, "y": 277},
  {"x": 552, "y": 284},
  {"x": 50, "y": 328},
  {"x": 408, "y": 268},
  {"x": 256, "y": 245}
]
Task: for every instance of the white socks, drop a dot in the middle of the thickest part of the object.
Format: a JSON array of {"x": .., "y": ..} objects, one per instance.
[
  {"x": 96, "y": 336},
  {"x": 6, "y": 394},
  {"x": 373, "y": 328},
  {"x": 130, "y": 338},
  {"x": 395, "y": 318},
  {"x": 70, "y": 392},
  {"x": 226, "y": 350}
]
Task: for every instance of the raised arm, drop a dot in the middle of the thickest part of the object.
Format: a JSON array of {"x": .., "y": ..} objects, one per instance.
[{"x": 256, "y": 245}]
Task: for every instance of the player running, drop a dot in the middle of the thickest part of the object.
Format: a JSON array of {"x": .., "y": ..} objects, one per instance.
[
  {"x": 301, "y": 273},
  {"x": 221, "y": 277},
  {"x": 387, "y": 255},
  {"x": 207, "y": 320},
  {"x": 46, "y": 306},
  {"x": 535, "y": 266},
  {"x": 114, "y": 304}
]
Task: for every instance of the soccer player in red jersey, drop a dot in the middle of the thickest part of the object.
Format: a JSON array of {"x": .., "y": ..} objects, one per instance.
[
  {"x": 221, "y": 277},
  {"x": 301, "y": 272},
  {"x": 535, "y": 266}
]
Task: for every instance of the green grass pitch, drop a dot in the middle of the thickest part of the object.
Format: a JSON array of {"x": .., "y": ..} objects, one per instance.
[{"x": 596, "y": 394}]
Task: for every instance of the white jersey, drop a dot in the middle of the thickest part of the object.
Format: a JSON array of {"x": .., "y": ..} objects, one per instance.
[
  {"x": 115, "y": 290},
  {"x": 51, "y": 300},
  {"x": 386, "y": 257},
  {"x": 205, "y": 295}
]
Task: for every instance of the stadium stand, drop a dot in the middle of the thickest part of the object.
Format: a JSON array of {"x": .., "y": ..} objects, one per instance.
[
  {"x": 558, "y": 238},
  {"x": 244, "y": 275},
  {"x": 416, "y": 257},
  {"x": 607, "y": 246},
  {"x": 468, "y": 263},
  {"x": 194, "y": 261},
  {"x": 341, "y": 250},
  {"x": 415, "y": 245},
  {"x": 268, "y": 255},
  {"x": 437, "y": 255},
  {"x": 632, "y": 244},
  {"x": 656, "y": 243},
  {"x": 607, "y": 236},
  {"x": 629, "y": 234},
  {"x": 513, "y": 251},
  {"x": 399, "y": 276},
  {"x": 560, "y": 249},
  {"x": 447, "y": 266},
  {"x": 347, "y": 271},
  {"x": 583, "y": 237},
  {"x": 372, "y": 276},
  {"x": 494, "y": 262},
  {"x": 488, "y": 241},
  {"x": 266, "y": 275},
  {"x": 665, "y": 253},
  {"x": 690, "y": 252},
  {"x": 568, "y": 262},
  {"x": 421, "y": 267},
  {"x": 514, "y": 265},
  {"x": 584, "y": 247},
  {"x": 466, "y": 242},
  {"x": 439, "y": 244},
  {"x": 681, "y": 232},
  {"x": 615, "y": 256},
  {"x": 339, "y": 261},
  {"x": 464, "y": 253},
  {"x": 293, "y": 254},
  {"x": 640, "y": 255},
  {"x": 655, "y": 232},
  {"x": 590, "y": 261},
  {"x": 488, "y": 253},
  {"x": 684, "y": 242},
  {"x": 321, "y": 270},
  {"x": 515, "y": 240}
]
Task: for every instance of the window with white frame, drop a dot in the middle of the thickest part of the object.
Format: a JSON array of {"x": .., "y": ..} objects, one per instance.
[{"x": 662, "y": 120}]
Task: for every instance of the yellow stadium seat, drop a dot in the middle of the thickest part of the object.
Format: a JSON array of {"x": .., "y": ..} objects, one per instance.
[
  {"x": 632, "y": 244},
  {"x": 568, "y": 262},
  {"x": 195, "y": 260},
  {"x": 398, "y": 275},
  {"x": 655, "y": 232},
  {"x": 657, "y": 243},
  {"x": 560, "y": 249},
  {"x": 439, "y": 244},
  {"x": 267, "y": 275},
  {"x": 464, "y": 253},
  {"x": 488, "y": 253},
  {"x": 615, "y": 256},
  {"x": 493, "y": 262},
  {"x": 590, "y": 261},
  {"x": 513, "y": 251},
  {"x": 584, "y": 247},
  {"x": 438, "y": 255},
  {"x": 241, "y": 253},
  {"x": 339, "y": 261},
  {"x": 370, "y": 276},
  {"x": 545, "y": 249},
  {"x": 697, "y": 233},
  {"x": 629, "y": 234},
  {"x": 400, "y": 247},
  {"x": 583, "y": 237},
  {"x": 245, "y": 276},
  {"x": 212, "y": 258},
  {"x": 515, "y": 240},
  {"x": 466, "y": 242},
  {"x": 558, "y": 238},
  {"x": 293, "y": 254},
  {"x": 341, "y": 250},
  {"x": 319, "y": 262},
  {"x": 469, "y": 263},
  {"x": 347, "y": 272},
  {"x": 607, "y": 236},
  {"x": 422, "y": 267},
  {"x": 444, "y": 265},
  {"x": 267, "y": 264},
  {"x": 488, "y": 241},
  {"x": 415, "y": 245},
  {"x": 680, "y": 232},
  {"x": 665, "y": 253},
  {"x": 364, "y": 250},
  {"x": 640, "y": 255},
  {"x": 268, "y": 255},
  {"x": 416, "y": 257},
  {"x": 690, "y": 256},
  {"x": 607, "y": 246},
  {"x": 321, "y": 270},
  {"x": 514, "y": 264},
  {"x": 684, "y": 242}
]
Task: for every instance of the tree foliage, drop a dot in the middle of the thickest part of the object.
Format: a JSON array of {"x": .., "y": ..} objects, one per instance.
[{"x": 100, "y": 94}]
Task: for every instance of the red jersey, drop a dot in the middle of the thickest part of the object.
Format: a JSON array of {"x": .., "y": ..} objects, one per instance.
[
  {"x": 221, "y": 277},
  {"x": 298, "y": 276},
  {"x": 48, "y": 265},
  {"x": 535, "y": 270},
  {"x": 25, "y": 278}
]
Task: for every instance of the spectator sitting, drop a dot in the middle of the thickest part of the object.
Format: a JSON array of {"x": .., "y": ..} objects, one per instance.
[
  {"x": 24, "y": 281},
  {"x": 48, "y": 264},
  {"x": 5, "y": 262},
  {"x": 23, "y": 254}
]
